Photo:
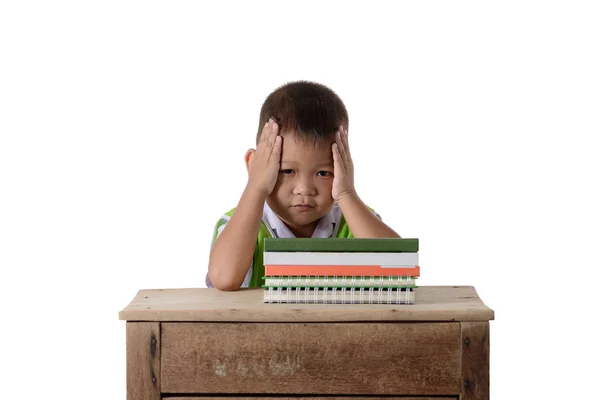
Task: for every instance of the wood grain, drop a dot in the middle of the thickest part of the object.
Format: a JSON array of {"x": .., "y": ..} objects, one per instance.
[
  {"x": 475, "y": 360},
  {"x": 313, "y": 398},
  {"x": 433, "y": 303},
  {"x": 143, "y": 361},
  {"x": 316, "y": 358}
]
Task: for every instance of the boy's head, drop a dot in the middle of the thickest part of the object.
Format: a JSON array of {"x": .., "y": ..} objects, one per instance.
[
  {"x": 308, "y": 115},
  {"x": 310, "y": 110}
]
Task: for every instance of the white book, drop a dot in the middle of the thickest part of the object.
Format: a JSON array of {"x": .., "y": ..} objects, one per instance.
[
  {"x": 339, "y": 296},
  {"x": 340, "y": 281},
  {"x": 391, "y": 260}
]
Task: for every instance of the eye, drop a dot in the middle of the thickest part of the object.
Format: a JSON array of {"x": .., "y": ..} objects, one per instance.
[
  {"x": 286, "y": 171},
  {"x": 324, "y": 173}
]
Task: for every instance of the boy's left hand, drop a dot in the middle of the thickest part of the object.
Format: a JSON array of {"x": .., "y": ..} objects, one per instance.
[{"x": 343, "y": 168}]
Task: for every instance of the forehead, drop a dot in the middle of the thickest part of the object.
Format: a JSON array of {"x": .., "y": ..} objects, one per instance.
[{"x": 299, "y": 150}]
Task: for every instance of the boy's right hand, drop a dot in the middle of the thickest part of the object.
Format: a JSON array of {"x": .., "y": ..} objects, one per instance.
[{"x": 265, "y": 162}]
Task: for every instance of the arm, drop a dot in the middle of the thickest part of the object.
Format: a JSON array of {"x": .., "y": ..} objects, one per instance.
[
  {"x": 227, "y": 267},
  {"x": 231, "y": 255},
  {"x": 362, "y": 222}
]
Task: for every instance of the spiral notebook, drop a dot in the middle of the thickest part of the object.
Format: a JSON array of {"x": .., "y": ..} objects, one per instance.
[
  {"x": 340, "y": 281},
  {"x": 339, "y": 295},
  {"x": 341, "y": 271}
]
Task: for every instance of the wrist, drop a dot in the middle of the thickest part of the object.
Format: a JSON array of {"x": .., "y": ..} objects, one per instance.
[
  {"x": 346, "y": 197},
  {"x": 256, "y": 192}
]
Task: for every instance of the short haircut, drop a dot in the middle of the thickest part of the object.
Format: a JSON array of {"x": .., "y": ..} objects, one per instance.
[{"x": 310, "y": 109}]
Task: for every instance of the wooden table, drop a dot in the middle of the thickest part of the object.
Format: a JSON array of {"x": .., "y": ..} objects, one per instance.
[{"x": 199, "y": 343}]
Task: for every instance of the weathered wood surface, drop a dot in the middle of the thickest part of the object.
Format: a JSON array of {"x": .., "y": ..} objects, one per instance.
[
  {"x": 475, "y": 360},
  {"x": 315, "y": 358},
  {"x": 313, "y": 398},
  {"x": 433, "y": 303},
  {"x": 143, "y": 360}
]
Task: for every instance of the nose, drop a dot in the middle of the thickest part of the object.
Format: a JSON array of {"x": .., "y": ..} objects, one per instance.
[{"x": 304, "y": 186}]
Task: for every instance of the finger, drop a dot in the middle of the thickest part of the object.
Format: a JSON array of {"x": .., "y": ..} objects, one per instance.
[
  {"x": 341, "y": 150},
  {"x": 266, "y": 130},
  {"x": 264, "y": 133},
  {"x": 344, "y": 138},
  {"x": 337, "y": 158},
  {"x": 276, "y": 152},
  {"x": 274, "y": 133},
  {"x": 269, "y": 141}
]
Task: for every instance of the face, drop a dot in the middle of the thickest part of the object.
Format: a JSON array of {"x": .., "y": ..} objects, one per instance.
[{"x": 302, "y": 194}]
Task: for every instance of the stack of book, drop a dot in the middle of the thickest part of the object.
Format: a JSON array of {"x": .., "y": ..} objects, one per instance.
[{"x": 381, "y": 271}]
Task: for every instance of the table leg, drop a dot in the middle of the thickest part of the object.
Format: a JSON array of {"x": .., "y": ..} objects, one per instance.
[
  {"x": 475, "y": 360},
  {"x": 143, "y": 361}
]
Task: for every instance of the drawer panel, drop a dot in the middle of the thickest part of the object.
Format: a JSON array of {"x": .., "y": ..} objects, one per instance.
[
  {"x": 314, "y": 358},
  {"x": 312, "y": 398}
]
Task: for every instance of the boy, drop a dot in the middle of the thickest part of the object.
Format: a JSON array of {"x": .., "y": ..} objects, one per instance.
[{"x": 300, "y": 184}]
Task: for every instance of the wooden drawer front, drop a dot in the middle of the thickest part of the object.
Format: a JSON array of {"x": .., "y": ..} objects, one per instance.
[
  {"x": 312, "y": 398},
  {"x": 316, "y": 358}
]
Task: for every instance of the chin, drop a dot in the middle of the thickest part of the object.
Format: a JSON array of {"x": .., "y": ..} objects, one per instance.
[
  {"x": 306, "y": 219},
  {"x": 296, "y": 218}
]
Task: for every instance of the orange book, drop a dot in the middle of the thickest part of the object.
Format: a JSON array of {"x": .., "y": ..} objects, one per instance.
[{"x": 341, "y": 270}]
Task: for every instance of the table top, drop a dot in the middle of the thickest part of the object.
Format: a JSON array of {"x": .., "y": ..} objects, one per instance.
[{"x": 433, "y": 303}]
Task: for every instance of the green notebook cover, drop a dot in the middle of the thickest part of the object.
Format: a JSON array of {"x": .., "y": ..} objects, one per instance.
[{"x": 332, "y": 245}]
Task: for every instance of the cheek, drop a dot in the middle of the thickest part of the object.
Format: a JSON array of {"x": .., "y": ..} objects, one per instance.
[
  {"x": 325, "y": 184},
  {"x": 282, "y": 179},
  {"x": 281, "y": 186}
]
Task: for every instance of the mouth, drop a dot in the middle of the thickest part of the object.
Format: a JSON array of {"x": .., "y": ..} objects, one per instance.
[{"x": 303, "y": 206}]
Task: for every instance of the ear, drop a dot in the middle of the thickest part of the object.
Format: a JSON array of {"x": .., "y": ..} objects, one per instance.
[{"x": 248, "y": 158}]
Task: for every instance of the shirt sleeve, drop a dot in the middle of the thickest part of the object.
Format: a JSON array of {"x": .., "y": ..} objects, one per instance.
[{"x": 218, "y": 229}]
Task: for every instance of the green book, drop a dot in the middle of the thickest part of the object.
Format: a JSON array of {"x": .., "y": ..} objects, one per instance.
[{"x": 340, "y": 245}]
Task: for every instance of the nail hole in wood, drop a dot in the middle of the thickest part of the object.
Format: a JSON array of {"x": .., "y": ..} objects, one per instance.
[{"x": 467, "y": 383}]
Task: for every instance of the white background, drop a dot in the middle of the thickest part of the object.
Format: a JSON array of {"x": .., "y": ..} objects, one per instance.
[{"x": 473, "y": 127}]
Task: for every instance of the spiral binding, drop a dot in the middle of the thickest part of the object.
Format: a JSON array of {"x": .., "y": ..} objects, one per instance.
[{"x": 343, "y": 295}]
